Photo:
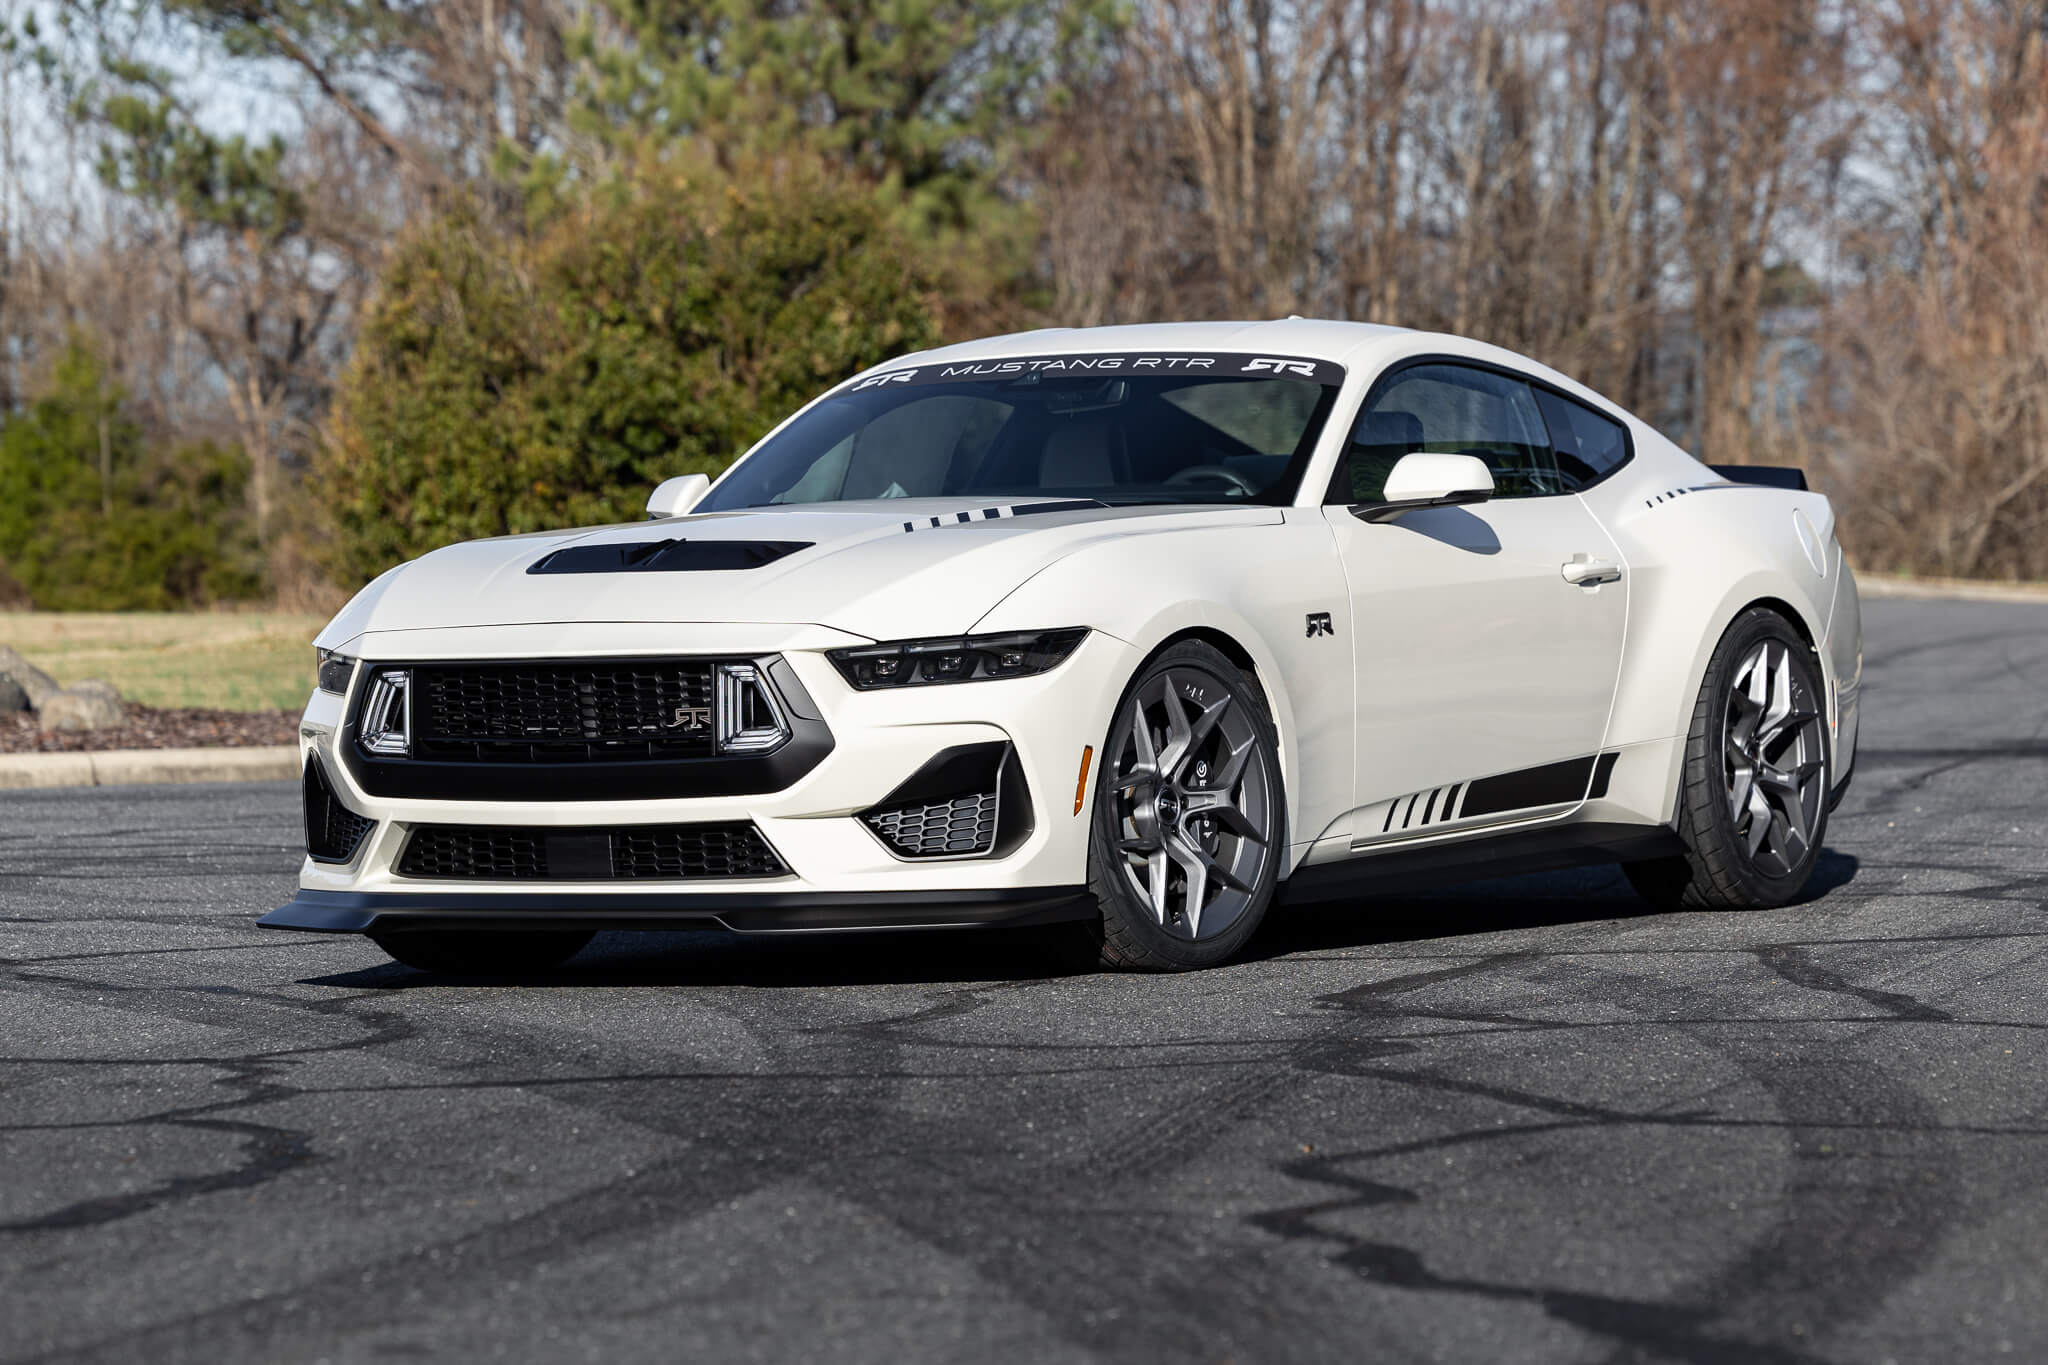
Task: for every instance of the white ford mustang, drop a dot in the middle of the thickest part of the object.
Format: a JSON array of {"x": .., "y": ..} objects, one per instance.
[{"x": 1132, "y": 628}]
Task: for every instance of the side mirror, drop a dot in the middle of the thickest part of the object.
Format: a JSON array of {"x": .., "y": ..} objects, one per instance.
[
  {"x": 673, "y": 497},
  {"x": 1424, "y": 480}
]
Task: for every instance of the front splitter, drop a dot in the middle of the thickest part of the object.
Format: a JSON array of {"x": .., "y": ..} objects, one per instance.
[{"x": 743, "y": 912}]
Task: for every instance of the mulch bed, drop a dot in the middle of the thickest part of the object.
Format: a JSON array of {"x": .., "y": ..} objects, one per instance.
[{"x": 151, "y": 727}]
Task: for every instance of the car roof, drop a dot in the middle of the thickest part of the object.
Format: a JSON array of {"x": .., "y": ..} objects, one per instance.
[{"x": 1311, "y": 338}]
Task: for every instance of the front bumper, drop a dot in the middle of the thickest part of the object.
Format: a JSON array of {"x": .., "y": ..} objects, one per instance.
[{"x": 840, "y": 874}]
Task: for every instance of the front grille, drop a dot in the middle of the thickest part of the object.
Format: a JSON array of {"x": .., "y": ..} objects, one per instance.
[
  {"x": 567, "y": 712},
  {"x": 941, "y": 829},
  {"x": 333, "y": 831},
  {"x": 633, "y": 852}
]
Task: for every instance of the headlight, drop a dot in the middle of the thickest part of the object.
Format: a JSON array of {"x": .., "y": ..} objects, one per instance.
[
  {"x": 333, "y": 670},
  {"x": 972, "y": 658}
]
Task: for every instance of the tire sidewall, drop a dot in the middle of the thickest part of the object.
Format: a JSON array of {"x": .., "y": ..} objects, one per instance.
[{"x": 1105, "y": 871}]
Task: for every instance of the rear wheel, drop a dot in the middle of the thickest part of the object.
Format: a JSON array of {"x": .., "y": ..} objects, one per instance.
[
  {"x": 1190, "y": 823},
  {"x": 474, "y": 953},
  {"x": 1753, "y": 802}
]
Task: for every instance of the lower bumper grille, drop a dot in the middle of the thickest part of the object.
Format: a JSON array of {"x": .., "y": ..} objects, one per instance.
[
  {"x": 965, "y": 802},
  {"x": 333, "y": 831},
  {"x": 626, "y": 853},
  {"x": 963, "y": 825}
]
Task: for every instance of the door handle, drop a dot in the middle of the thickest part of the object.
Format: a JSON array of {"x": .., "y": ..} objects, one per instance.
[{"x": 1587, "y": 572}]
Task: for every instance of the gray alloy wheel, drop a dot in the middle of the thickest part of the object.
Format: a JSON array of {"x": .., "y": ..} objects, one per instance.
[
  {"x": 1190, "y": 825},
  {"x": 1775, "y": 759},
  {"x": 1753, "y": 804}
]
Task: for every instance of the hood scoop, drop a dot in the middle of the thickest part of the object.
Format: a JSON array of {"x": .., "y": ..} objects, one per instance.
[{"x": 667, "y": 556}]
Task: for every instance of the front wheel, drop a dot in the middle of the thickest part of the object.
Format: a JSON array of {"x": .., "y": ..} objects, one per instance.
[
  {"x": 480, "y": 952},
  {"x": 1190, "y": 824},
  {"x": 1753, "y": 801}
]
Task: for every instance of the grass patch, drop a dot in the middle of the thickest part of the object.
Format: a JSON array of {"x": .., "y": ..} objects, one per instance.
[{"x": 237, "y": 661}]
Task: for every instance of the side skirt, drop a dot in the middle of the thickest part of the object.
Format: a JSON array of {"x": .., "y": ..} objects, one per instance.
[{"x": 1464, "y": 860}]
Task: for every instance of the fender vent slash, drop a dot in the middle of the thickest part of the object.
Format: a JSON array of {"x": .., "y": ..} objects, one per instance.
[
  {"x": 333, "y": 831},
  {"x": 579, "y": 853}
]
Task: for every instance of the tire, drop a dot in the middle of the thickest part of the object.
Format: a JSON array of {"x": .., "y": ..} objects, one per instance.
[
  {"x": 479, "y": 953},
  {"x": 1189, "y": 827},
  {"x": 1753, "y": 797}
]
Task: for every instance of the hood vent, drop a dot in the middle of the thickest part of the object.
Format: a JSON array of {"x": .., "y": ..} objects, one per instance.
[{"x": 668, "y": 556}]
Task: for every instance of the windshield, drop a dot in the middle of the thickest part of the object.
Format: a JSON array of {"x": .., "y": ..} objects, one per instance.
[{"x": 1115, "y": 428}]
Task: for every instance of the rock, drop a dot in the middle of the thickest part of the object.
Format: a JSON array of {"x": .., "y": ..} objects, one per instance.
[
  {"x": 95, "y": 687},
  {"x": 12, "y": 698},
  {"x": 32, "y": 680},
  {"x": 85, "y": 707}
]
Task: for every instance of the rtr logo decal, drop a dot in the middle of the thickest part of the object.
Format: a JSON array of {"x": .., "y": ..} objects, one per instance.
[
  {"x": 898, "y": 377},
  {"x": 1306, "y": 369},
  {"x": 690, "y": 718},
  {"x": 1319, "y": 624}
]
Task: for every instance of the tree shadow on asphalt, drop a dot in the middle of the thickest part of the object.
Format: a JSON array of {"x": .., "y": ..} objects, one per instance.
[{"x": 938, "y": 957}]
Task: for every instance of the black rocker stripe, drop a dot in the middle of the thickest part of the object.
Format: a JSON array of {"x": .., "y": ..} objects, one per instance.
[{"x": 1553, "y": 784}]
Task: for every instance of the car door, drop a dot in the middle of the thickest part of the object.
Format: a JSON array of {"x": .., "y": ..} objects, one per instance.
[{"x": 1487, "y": 637}]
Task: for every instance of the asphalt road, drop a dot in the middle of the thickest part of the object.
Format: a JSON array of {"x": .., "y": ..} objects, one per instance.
[{"x": 1519, "y": 1120}]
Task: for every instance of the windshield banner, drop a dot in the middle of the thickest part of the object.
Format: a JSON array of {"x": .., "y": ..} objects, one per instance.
[{"x": 1128, "y": 364}]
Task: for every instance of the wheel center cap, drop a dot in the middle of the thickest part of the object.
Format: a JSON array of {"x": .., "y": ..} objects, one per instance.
[{"x": 1167, "y": 807}]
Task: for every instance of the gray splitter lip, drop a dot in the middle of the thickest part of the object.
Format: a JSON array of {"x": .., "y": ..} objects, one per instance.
[{"x": 744, "y": 912}]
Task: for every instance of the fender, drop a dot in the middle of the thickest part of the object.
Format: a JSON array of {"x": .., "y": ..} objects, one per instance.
[{"x": 1204, "y": 584}]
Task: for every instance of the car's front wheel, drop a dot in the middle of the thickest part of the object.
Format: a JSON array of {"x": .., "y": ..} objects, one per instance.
[
  {"x": 1753, "y": 800},
  {"x": 1190, "y": 824},
  {"x": 482, "y": 953}
]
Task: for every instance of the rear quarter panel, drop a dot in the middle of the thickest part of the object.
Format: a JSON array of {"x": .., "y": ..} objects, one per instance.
[{"x": 1699, "y": 551}]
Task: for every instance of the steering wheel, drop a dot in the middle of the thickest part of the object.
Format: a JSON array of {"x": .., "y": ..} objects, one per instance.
[{"x": 1197, "y": 473}]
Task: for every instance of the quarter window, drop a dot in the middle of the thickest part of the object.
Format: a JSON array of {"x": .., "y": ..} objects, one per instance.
[
  {"x": 1589, "y": 445},
  {"x": 1454, "y": 410}
]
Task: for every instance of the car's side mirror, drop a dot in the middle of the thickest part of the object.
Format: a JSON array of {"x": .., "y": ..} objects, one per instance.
[
  {"x": 1426, "y": 480},
  {"x": 673, "y": 497}
]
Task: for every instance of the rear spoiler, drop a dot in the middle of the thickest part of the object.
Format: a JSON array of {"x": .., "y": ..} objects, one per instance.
[{"x": 1768, "y": 475}]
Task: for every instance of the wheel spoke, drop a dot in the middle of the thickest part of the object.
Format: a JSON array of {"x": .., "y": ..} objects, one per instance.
[
  {"x": 1194, "y": 886},
  {"x": 1156, "y": 872},
  {"x": 1739, "y": 788},
  {"x": 1233, "y": 818},
  {"x": 1204, "y": 726},
  {"x": 1141, "y": 739},
  {"x": 1178, "y": 732},
  {"x": 1759, "y": 819},
  {"x": 1779, "y": 672},
  {"x": 1139, "y": 776},
  {"x": 1230, "y": 771}
]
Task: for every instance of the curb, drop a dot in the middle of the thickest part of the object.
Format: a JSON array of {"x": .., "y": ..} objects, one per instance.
[
  {"x": 149, "y": 767},
  {"x": 1951, "y": 589}
]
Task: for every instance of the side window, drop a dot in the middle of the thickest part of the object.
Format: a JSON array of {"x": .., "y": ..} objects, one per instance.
[
  {"x": 1455, "y": 410},
  {"x": 1589, "y": 445}
]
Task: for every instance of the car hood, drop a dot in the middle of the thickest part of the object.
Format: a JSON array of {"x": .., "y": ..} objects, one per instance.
[{"x": 882, "y": 569}]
